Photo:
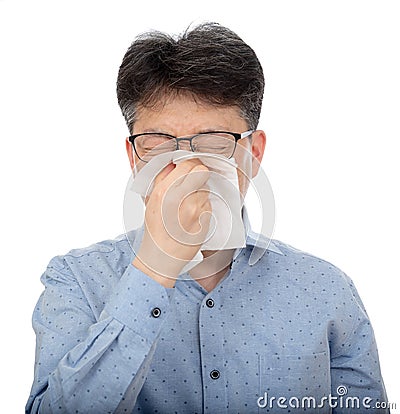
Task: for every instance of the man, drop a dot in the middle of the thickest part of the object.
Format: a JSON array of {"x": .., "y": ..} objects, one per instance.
[{"x": 122, "y": 329}]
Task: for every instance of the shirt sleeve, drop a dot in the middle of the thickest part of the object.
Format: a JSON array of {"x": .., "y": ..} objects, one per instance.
[
  {"x": 355, "y": 370},
  {"x": 84, "y": 365}
]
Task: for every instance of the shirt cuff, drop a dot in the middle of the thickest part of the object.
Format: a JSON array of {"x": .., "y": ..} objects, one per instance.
[{"x": 140, "y": 303}]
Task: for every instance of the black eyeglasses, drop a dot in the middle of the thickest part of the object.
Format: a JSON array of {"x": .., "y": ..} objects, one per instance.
[{"x": 150, "y": 144}]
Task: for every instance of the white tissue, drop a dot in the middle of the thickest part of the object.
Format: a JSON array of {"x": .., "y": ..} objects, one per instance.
[{"x": 226, "y": 227}]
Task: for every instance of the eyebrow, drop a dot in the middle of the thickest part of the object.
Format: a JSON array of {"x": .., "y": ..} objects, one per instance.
[{"x": 201, "y": 131}]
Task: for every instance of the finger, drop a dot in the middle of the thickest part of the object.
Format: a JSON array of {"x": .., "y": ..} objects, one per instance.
[
  {"x": 195, "y": 179},
  {"x": 176, "y": 177},
  {"x": 164, "y": 172},
  {"x": 202, "y": 194},
  {"x": 205, "y": 221}
]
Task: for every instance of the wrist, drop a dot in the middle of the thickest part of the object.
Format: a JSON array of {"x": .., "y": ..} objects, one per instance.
[{"x": 166, "y": 281}]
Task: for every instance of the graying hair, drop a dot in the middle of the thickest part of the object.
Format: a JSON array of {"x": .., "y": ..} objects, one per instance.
[{"x": 210, "y": 63}]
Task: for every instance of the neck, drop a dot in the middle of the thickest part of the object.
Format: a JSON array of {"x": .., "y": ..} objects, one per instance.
[{"x": 213, "y": 268}]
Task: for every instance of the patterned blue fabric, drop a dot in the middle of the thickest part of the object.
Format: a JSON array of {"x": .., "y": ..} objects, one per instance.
[{"x": 286, "y": 331}]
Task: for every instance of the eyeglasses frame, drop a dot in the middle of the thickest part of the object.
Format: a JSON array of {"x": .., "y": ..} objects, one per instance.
[{"x": 236, "y": 135}]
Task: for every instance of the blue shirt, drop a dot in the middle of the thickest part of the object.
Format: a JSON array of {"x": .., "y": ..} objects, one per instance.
[{"x": 285, "y": 333}]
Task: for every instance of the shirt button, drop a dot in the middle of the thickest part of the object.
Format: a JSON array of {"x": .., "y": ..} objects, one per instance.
[
  {"x": 210, "y": 303},
  {"x": 214, "y": 374},
  {"x": 156, "y": 312}
]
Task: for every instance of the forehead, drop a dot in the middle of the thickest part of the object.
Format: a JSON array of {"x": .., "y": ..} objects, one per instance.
[{"x": 184, "y": 115}]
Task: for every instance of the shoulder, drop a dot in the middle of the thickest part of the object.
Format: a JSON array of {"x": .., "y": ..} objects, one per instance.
[
  {"x": 311, "y": 277},
  {"x": 119, "y": 243},
  {"x": 113, "y": 251},
  {"x": 296, "y": 265},
  {"x": 291, "y": 254}
]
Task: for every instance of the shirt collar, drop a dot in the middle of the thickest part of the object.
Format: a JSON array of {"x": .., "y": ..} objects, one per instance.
[{"x": 258, "y": 241}]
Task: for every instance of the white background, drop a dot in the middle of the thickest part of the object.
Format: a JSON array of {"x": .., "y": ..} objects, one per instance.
[{"x": 331, "y": 114}]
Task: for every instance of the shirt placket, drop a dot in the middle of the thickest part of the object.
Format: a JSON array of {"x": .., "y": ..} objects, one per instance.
[{"x": 212, "y": 356}]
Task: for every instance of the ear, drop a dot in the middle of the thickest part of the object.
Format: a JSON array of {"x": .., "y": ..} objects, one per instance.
[
  {"x": 258, "y": 142},
  {"x": 130, "y": 152}
]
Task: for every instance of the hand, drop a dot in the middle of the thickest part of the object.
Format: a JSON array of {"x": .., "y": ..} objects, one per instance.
[{"x": 177, "y": 219}]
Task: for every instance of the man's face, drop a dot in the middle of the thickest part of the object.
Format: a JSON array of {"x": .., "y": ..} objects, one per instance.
[{"x": 182, "y": 116}]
